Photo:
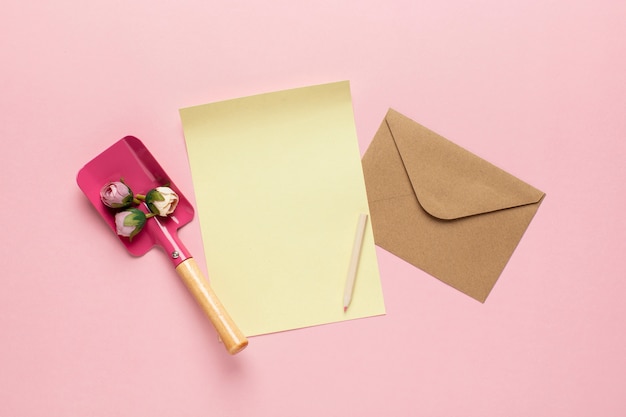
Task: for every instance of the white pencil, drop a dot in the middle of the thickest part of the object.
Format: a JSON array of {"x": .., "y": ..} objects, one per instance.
[{"x": 354, "y": 261}]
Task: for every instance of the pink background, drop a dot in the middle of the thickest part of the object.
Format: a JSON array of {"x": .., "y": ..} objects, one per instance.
[{"x": 538, "y": 88}]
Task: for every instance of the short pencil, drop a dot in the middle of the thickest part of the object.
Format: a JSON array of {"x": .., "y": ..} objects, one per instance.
[{"x": 354, "y": 261}]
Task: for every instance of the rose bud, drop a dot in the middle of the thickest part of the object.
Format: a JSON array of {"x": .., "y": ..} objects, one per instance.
[
  {"x": 162, "y": 201},
  {"x": 130, "y": 222},
  {"x": 116, "y": 194}
]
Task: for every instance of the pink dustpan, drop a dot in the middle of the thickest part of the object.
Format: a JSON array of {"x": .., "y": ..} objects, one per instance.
[{"x": 130, "y": 160}]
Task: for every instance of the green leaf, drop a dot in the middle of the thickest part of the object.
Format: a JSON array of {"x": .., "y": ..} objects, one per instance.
[
  {"x": 135, "y": 218},
  {"x": 127, "y": 200},
  {"x": 154, "y": 195}
]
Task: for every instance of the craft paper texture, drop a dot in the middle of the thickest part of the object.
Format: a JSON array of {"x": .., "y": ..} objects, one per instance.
[
  {"x": 442, "y": 208},
  {"x": 279, "y": 187}
]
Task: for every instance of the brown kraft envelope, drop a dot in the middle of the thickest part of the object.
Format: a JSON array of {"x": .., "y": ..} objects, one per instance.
[{"x": 443, "y": 209}]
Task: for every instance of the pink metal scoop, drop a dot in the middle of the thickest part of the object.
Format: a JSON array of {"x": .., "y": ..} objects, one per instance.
[{"x": 130, "y": 160}]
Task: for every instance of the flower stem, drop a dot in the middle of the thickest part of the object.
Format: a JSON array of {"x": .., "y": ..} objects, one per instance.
[{"x": 139, "y": 198}]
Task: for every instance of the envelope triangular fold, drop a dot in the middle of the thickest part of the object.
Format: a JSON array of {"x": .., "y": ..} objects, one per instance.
[{"x": 449, "y": 181}]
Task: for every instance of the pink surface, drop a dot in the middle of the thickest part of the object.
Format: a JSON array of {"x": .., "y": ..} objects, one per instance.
[{"x": 537, "y": 88}]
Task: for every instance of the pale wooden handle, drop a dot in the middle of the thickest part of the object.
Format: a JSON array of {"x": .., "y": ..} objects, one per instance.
[{"x": 229, "y": 333}]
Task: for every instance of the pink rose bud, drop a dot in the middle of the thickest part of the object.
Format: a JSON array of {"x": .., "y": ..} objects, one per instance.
[
  {"x": 116, "y": 194},
  {"x": 129, "y": 222},
  {"x": 162, "y": 201}
]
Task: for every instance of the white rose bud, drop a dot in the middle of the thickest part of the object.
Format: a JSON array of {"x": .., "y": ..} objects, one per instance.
[{"x": 162, "y": 201}]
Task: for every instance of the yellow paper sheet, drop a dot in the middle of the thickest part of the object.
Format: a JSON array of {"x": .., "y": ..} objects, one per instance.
[{"x": 279, "y": 188}]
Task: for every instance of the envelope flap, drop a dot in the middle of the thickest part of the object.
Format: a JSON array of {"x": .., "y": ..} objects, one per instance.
[{"x": 449, "y": 181}]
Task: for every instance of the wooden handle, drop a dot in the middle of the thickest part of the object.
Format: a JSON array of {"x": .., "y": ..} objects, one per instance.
[{"x": 229, "y": 333}]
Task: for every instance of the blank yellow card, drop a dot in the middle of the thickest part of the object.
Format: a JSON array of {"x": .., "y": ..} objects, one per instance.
[{"x": 279, "y": 188}]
